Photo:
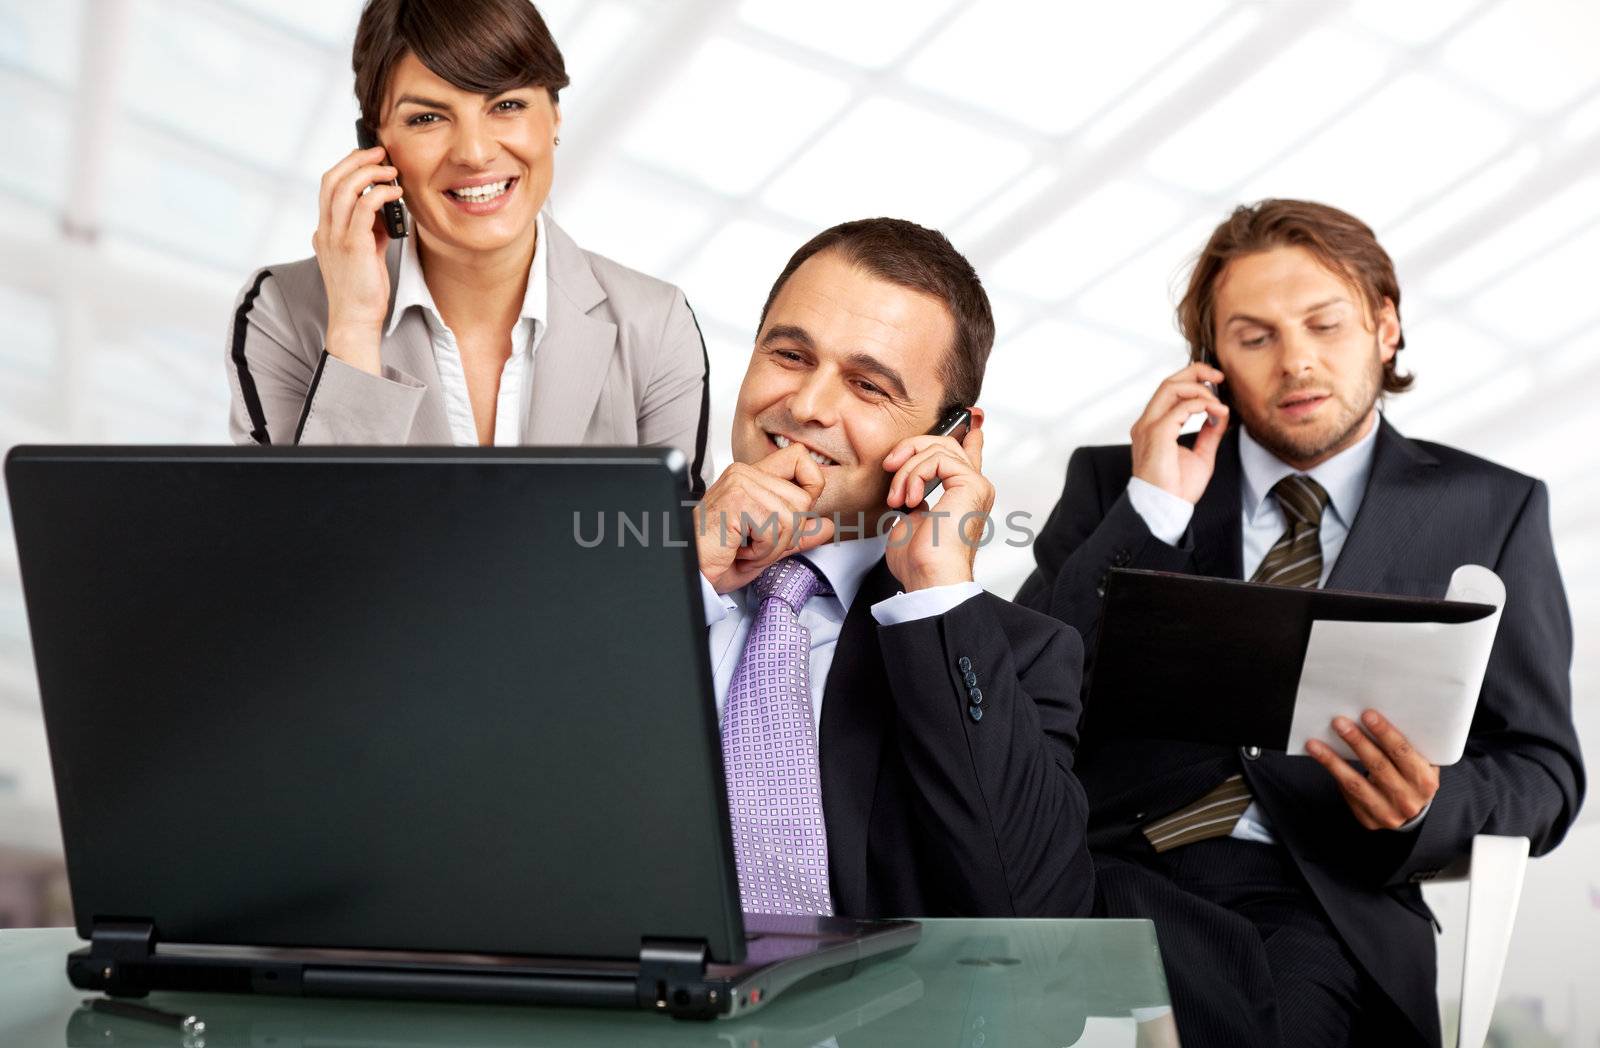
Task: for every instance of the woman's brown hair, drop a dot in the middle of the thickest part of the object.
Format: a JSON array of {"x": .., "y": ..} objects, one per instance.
[
  {"x": 485, "y": 46},
  {"x": 1340, "y": 241}
]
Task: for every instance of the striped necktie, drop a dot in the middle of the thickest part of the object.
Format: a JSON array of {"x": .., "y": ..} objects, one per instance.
[{"x": 1294, "y": 560}]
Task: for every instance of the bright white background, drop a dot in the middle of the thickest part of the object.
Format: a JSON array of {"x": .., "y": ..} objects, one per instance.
[{"x": 155, "y": 152}]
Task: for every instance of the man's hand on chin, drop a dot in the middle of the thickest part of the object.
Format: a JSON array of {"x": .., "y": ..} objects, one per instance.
[
  {"x": 937, "y": 547},
  {"x": 755, "y": 514}
]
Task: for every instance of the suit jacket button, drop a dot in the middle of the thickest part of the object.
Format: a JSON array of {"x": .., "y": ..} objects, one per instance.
[
  {"x": 975, "y": 713},
  {"x": 971, "y": 679},
  {"x": 1138, "y": 816},
  {"x": 976, "y": 696},
  {"x": 1252, "y": 752},
  {"x": 1121, "y": 558},
  {"x": 964, "y": 664}
]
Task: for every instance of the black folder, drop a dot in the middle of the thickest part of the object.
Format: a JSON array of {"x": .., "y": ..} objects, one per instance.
[{"x": 1218, "y": 660}]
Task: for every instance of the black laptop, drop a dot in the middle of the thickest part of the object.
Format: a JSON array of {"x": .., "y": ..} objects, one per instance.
[{"x": 411, "y": 723}]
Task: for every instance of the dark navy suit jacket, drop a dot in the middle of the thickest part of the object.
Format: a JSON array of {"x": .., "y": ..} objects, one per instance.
[
  {"x": 1427, "y": 510},
  {"x": 930, "y": 811}
]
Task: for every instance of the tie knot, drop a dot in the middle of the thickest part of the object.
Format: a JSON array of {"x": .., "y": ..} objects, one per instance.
[
  {"x": 793, "y": 581},
  {"x": 1302, "y": 499}
]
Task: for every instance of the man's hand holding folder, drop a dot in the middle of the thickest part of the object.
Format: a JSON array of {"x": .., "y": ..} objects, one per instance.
[
  {"x": 1399, "y": 783},
  {"x": 1300, "y": 666}
]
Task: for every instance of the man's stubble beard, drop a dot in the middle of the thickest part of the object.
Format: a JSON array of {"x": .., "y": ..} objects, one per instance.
[{"x": 1291, "y": 446}]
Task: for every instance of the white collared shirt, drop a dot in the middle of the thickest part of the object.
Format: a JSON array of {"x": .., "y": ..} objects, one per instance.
[
  {"x": 844, "y": 565},
  {"x": 511, "y": 405},
  {"x": 1262, "y": 521}
]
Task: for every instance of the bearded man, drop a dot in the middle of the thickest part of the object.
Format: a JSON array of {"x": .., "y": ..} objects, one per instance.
[{"x": 1284, "y": 887}]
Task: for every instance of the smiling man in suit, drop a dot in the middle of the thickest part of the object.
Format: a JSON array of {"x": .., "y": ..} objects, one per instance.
[
  {"x": 897, "y": 742},
  {"x": 1284, "y": 886}
]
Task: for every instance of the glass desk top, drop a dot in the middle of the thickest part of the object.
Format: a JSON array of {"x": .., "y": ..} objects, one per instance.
[{"x": 968, "y": 983}]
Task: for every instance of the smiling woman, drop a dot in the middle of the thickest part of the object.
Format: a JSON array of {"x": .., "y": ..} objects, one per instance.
[{"x": 486, "y": 324}]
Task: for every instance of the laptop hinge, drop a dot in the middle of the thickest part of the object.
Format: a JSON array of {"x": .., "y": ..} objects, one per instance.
[
  {"x": 122, "y": 940},
  {"x": 672, "y": 979},
  {"x": 113, "y": 944}
]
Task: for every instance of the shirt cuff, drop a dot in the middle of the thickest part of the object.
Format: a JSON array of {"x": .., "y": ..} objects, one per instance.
[
  {"x": 1407, "y": 827},
  {"x": 1165, "y": 514},
  {"x": 718, "y": 605},
  {"x": 923, "y": 603}
]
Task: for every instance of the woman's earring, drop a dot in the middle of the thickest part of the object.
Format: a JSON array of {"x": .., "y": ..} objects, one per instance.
[{"x": 558, "y": 140}]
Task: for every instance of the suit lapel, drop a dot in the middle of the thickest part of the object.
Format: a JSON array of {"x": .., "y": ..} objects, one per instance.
[
  {"x": 1218, "y": 536},
  {"x": 410, "y": 349},
  {"x": 1400, "y": 496},
  {"x": 855, "y": 714},
  {"x": 574, "y": 357}
]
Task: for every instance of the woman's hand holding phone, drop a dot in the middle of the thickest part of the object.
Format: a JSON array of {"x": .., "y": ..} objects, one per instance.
[
  {"x": 349, "y": 243},
  {"x": 1158, "y": 458}
]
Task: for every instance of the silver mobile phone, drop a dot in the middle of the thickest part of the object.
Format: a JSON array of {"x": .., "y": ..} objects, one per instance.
[{"x": 954, "y": 423}]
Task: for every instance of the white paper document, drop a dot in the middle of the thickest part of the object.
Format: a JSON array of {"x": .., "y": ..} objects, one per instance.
[{"x": 1423, "y": 676}]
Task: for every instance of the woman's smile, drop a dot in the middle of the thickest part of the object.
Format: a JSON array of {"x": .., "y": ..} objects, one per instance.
[{"x": 483, "y": 198}]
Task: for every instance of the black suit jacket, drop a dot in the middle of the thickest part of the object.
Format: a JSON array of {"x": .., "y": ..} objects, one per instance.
[
  {"x": 1427, "y": 510},
  {"x": 931, "y": 812}
]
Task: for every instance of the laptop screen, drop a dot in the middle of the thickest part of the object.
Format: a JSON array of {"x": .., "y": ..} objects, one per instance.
[{"x": 424, "y": 699}]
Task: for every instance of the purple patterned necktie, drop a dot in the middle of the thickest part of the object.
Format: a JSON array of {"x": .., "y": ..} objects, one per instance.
[{"x": 769, "y": 753}]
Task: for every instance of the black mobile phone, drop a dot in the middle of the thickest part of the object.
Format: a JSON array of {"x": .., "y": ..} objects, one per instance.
[
  {"x": 396, "y": 220},
  {"x": 1220, "y": 390},
  {"x": 954, "y": 423}
]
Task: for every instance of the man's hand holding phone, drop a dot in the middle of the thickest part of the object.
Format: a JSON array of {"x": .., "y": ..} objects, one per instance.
[
  {"x": 938, "y": 547},
  {"x": 1158, "y": 458},
  {"x": 756, "y": 514},
  {"x": 349, "y": 243}
]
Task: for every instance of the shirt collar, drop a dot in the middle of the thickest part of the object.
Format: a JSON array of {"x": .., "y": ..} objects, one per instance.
[
  {"x": 536, "y": 300},
  {"x": 845, "y": 564},
  {"x": 411, "y": 289},
  {"x": 1343, "y": 477}
]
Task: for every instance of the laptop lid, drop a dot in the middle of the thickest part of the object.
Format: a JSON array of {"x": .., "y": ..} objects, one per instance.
[{"x": 427, "y": 699}]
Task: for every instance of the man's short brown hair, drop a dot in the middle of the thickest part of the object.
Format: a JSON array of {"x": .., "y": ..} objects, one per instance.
[
  {"x": 486, "y": 46},
  {"x": 924, "y": 260},
  {"x": 1340, "y": 241}
]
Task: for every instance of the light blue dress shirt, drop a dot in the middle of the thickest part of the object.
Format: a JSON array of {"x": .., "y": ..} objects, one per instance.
[
  {"x": 844, "y": 565},
  {"x": 1344, "y": 477}
]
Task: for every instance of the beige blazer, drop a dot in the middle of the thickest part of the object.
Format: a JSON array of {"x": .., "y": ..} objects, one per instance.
[{"x": 622, "y": 362}]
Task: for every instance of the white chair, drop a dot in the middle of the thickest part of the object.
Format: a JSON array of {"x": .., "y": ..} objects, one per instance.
[{"x": 1494, "y": 874}]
